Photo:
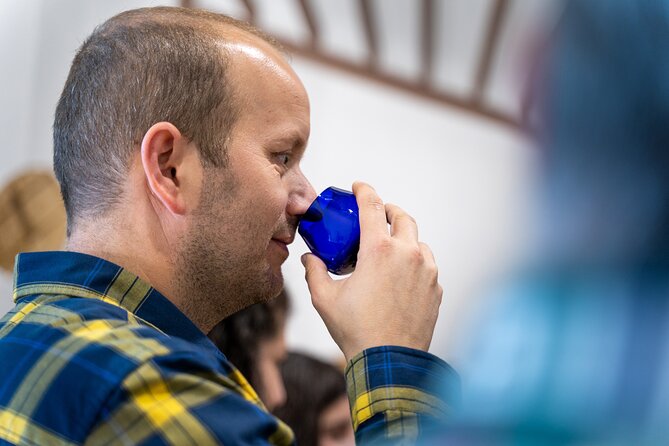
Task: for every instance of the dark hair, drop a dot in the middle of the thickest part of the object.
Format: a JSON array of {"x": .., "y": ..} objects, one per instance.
[
  {"x": 311, "y": 386},
  {"x": 140, "y": 67},
  {"x": 239, "y": 336}
]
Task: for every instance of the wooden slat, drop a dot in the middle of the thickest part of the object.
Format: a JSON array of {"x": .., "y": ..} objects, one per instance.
[
  {"x": 250, "y": 10},
  {"x": 369, "y": 24},
  {"x": 428, "y": 18},
  {"x": 310, "y": 19},
  {"x": 412, "y": 87},
  {"x": 422, "y": 89},
  {"x": 488, "y": 54}
]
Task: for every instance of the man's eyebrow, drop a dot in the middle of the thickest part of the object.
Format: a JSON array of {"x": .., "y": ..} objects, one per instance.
[{"x": 295, "y": 140}]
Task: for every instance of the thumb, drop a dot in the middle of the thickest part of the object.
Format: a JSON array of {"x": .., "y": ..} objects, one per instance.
[{"x": 316, "y": 274}]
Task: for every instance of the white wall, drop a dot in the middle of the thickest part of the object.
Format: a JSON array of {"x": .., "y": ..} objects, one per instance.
[{"x": 463, "y": 178}]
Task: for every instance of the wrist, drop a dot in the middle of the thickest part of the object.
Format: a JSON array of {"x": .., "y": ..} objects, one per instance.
[
  {"x": 352, "y": 352},
  {"x": 402, "y": 379}
]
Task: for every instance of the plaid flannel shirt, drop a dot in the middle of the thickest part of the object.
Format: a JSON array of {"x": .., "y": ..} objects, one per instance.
[{"x": 92, "y": 354}]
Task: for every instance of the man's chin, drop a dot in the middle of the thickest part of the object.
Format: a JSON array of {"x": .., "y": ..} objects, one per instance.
[
  {"x": 273, "y": 281},
  {"x": 276, "y": 281}
]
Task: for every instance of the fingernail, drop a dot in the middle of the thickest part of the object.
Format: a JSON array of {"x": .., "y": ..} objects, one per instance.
[{"x": 304, "y": 259}]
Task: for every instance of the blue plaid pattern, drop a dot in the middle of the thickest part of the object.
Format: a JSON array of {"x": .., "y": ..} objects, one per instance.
[
  {"x": 393, "y": 394},
  {"x": 92, "y": 354}
]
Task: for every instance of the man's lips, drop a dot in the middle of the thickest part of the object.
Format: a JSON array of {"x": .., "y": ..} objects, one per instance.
[
  {"x": 286, "y": 239},
  {"x": 283, "y": 241},
  {"x": 281, "y": 245}
]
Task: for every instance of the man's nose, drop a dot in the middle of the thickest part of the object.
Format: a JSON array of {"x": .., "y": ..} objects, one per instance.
[{"x": 302, "y": 196}]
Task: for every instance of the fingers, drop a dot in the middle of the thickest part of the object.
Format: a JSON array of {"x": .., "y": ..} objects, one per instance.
[
  {"x": 316, "y": 274},
  {"x": 372, "y": 213},
  {"x": 375, "y": 216},
  {"x": 402, "y": 225}
]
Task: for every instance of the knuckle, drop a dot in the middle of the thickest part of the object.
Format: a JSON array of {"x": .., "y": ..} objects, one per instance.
[
  {"x": 426, "y": 250},
  {"x": 416, "y": 255},
  {"x": 316, "y": 301},
  {"x": 374, "y": 203},
  {"x": 408, "y": 217},
  {"x": 433, "y": 271},
  {"x": 399, "y": 213},
  {"x": 384, "y": 245}
]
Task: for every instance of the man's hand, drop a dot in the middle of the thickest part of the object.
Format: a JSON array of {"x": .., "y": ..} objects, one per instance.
[{"x": 392, "y": 297}]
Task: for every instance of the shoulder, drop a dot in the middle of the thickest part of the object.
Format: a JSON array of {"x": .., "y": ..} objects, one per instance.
[
  {"x": 90, "y": 330},
  {"x": 63, "y": 356},
  {"x": 81, "y": 368}
]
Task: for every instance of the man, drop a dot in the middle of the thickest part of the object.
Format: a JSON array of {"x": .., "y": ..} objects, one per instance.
[{"x": 177, "y": 143}]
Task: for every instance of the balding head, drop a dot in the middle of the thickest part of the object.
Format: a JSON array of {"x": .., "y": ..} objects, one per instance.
[{"x": 138, "y": 68}]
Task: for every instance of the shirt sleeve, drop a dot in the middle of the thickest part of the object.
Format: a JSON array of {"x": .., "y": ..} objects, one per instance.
[
  {"x": 397, "y": 394},
  {"x": 172, "y": 401}
]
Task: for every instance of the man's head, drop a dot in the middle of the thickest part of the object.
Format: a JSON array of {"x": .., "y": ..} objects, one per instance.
[
  {"x": 138, "y": 68},
  {"x": 183, "y": 130}
]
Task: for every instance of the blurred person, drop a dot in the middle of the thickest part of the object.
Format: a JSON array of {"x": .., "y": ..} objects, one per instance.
[
  {"x": 316, "y": 406},
  {"x": 575, "y": 348},
  {"x": 177, "y": 145},
  {"x": 254, "y": 341}
]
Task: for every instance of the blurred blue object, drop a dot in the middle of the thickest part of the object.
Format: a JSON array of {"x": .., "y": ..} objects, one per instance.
[
  {"x": 578, "y": 355},
  {"x": 574, "y": 349},
  {"x": 331, "y": 229},
  {"x": 605, "y": 103}
]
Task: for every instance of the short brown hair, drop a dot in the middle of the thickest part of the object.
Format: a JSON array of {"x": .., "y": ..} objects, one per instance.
[{"x": 140, "y": 67}]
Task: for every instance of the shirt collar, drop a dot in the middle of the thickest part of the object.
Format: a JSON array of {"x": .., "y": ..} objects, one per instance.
[{"x": 82, "y": 275}]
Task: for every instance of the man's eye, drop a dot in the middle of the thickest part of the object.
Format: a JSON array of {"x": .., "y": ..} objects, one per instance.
[{"x": 283, "y": 158}]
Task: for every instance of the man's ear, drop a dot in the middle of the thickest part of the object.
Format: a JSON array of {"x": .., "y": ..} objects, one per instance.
[{"x": 163, "y": 157}]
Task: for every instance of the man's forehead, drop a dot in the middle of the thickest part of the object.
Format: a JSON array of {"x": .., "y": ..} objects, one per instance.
[
  {"x": 237, "y": 41},
  {"x": 256, "y": 67},
  {"x": 240, "y": 52},
  {"x": 262, "y": 76},
  {"x": 261, "y": 58}
]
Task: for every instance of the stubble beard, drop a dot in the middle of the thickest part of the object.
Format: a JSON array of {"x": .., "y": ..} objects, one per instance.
[{"x": 220, "y": 270}]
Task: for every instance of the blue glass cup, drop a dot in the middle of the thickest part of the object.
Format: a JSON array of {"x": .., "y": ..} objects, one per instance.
[{"x": 331, "y": 229}]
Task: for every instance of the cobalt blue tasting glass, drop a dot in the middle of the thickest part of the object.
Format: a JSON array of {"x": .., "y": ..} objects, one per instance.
[{"x": 331, "y": 229}]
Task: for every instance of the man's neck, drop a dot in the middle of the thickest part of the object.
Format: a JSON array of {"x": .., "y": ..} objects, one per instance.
[{"x": 133, "y": 250}]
